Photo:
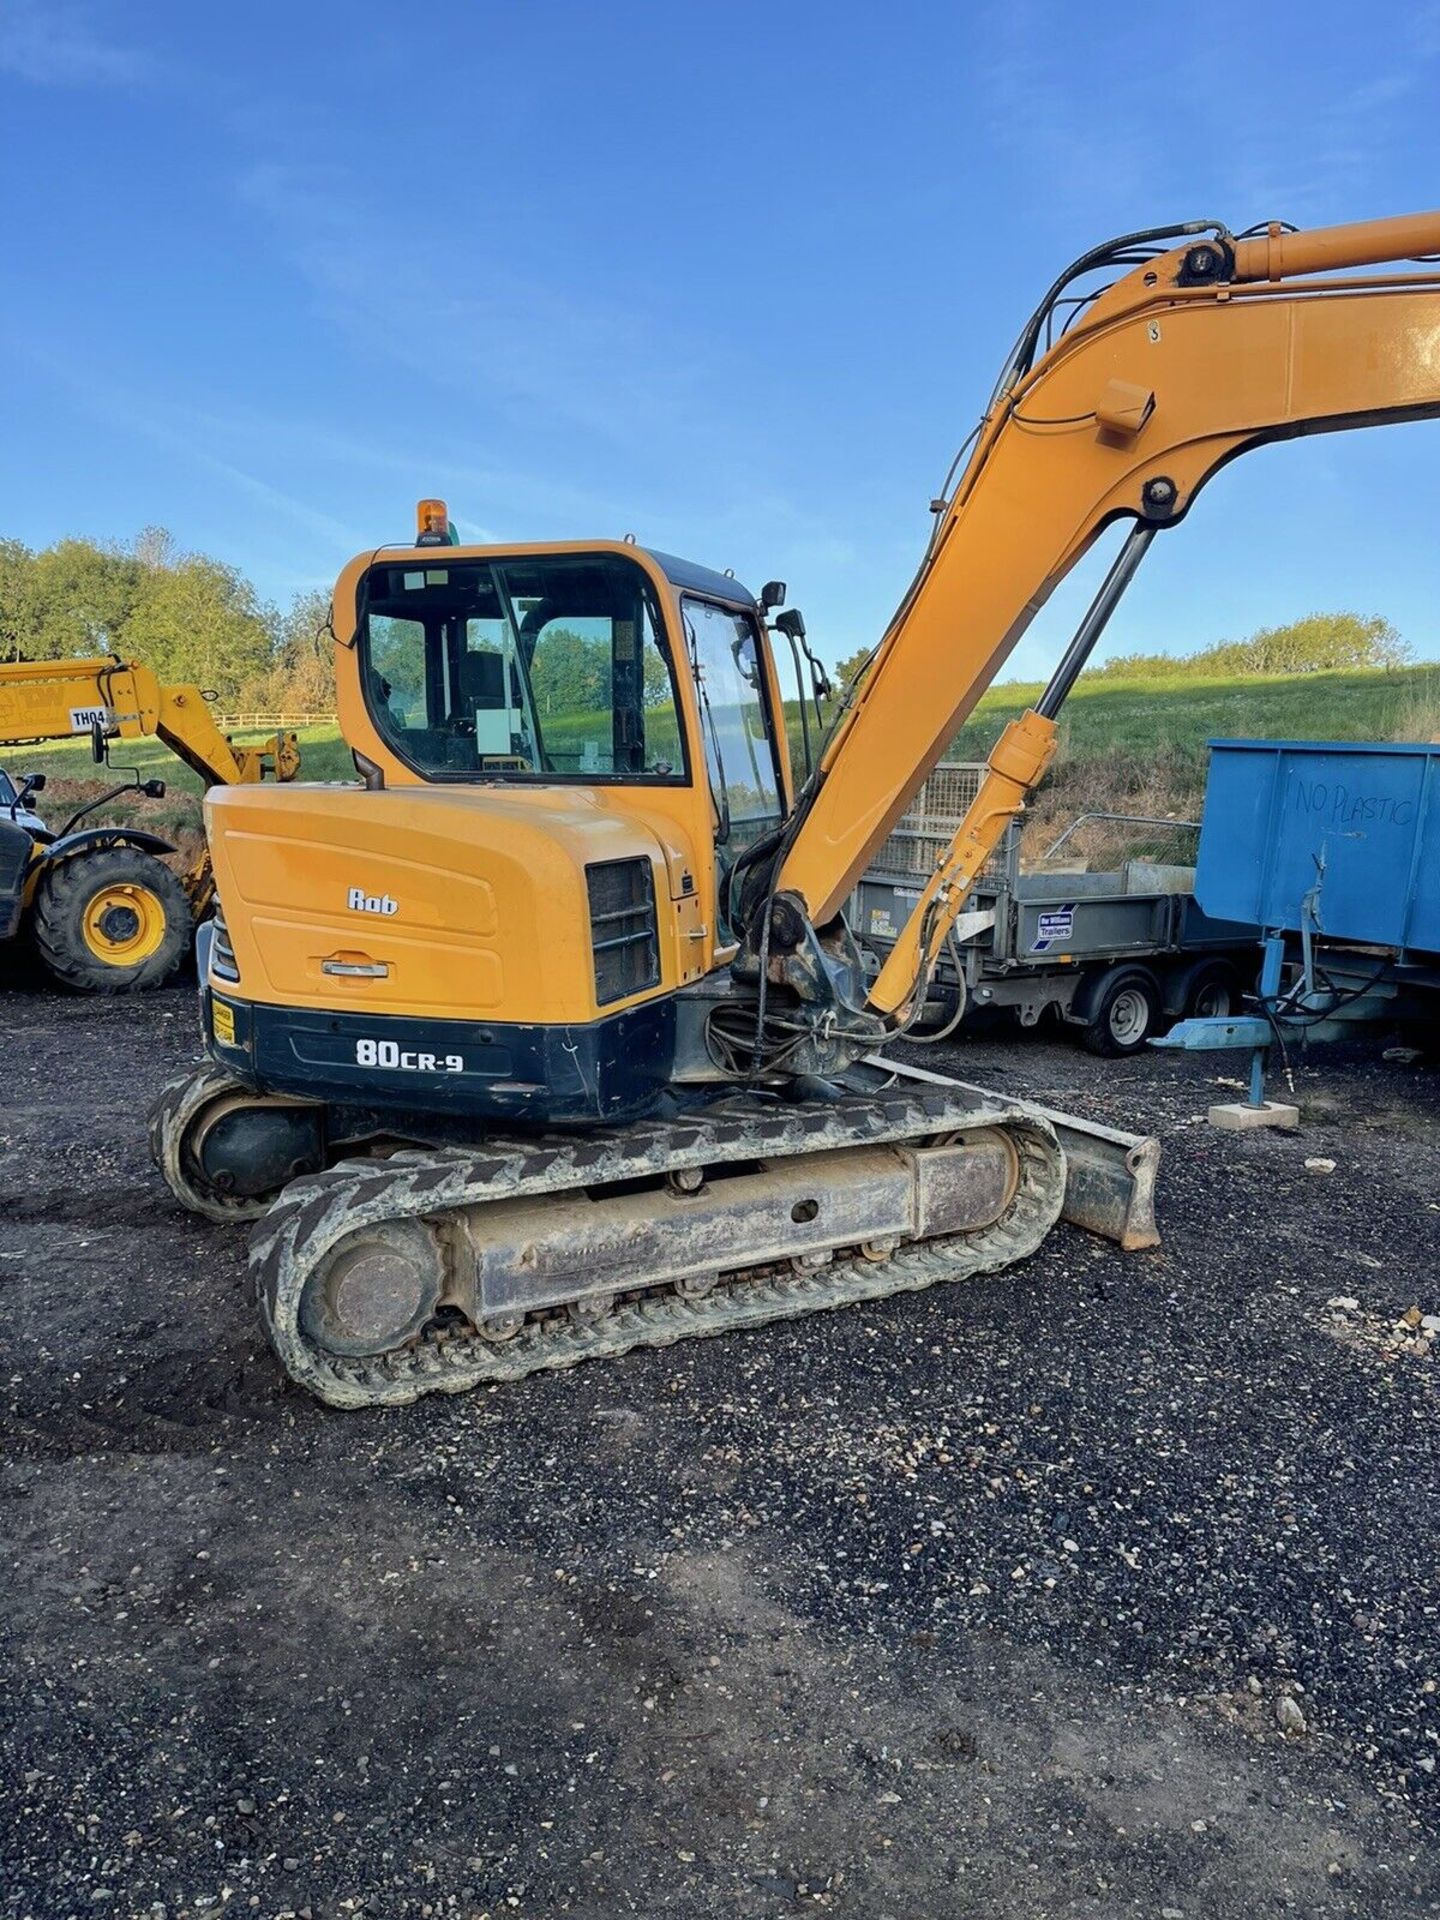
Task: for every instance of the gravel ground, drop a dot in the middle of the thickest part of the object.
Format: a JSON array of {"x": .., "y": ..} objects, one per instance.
[{"x": 1105, "y": 1587}]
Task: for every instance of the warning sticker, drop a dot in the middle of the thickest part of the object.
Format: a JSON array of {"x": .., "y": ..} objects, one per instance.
[{"x": 1054, "y": 928}]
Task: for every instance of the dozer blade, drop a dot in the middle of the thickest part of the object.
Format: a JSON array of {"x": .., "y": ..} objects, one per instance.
[
  {"x": 1109, "y": 1175},
  {"x": 438, "y": 1270}
]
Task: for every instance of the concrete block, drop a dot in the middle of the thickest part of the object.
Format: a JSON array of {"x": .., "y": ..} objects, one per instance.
[{"x": 1239, "y": 1116}]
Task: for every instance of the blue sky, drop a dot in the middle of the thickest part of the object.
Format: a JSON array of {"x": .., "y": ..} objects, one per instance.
[{"x": 735, "y": 277}]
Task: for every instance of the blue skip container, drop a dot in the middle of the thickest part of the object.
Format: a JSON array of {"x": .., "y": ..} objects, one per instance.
[{"x": 1352, "y": 828}]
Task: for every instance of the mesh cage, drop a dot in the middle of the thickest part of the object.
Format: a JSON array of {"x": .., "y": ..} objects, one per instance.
[{"x": 929, "y": 823}]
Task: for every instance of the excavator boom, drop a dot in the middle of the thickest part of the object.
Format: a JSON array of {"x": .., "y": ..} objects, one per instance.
[{"x": 1207, "y": 349}]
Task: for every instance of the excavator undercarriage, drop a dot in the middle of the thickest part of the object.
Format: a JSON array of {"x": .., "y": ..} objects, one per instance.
[
  {"x": 430, "y": 1266},
  {"x": 434, "y": 1269}
]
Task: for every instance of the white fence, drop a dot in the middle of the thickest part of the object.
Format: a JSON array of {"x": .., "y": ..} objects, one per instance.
[{"x": 271, "y": 721}]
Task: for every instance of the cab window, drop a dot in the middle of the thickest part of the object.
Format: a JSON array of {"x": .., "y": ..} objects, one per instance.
[
  {"x": 548, "y": 668},
  {"x": 734, "y": 723}
]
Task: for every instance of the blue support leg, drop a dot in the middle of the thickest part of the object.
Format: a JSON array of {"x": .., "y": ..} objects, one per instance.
[{"x": 1270, "y": 969}]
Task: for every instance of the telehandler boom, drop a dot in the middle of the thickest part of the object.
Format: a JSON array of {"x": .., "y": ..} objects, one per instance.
[
  {"x": 568, "y": 970},
  {"x": 106, "y": 913}
]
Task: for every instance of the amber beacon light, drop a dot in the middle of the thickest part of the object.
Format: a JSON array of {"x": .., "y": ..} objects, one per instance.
[{"x": 432, "y": 524}]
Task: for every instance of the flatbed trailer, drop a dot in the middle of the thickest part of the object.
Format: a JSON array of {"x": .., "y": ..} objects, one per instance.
[{"x": 1104, "y": 928}]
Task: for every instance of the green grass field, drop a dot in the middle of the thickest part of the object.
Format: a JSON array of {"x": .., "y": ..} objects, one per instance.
[
  {"x": 72, "y": 777},
  {"x": 1138, "y": 746},
  {"x": 1126, "y": 745},
  {"x": 324, "y": 754},
  {"x": 1139, "y": 717}
]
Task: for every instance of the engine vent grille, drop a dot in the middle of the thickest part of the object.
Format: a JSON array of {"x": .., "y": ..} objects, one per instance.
[
  {"x": 622, "y": 928},
  {"x": 222, "y": 954}
]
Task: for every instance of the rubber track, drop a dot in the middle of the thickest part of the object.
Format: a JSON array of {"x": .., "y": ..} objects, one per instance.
[{"x": 315, "y": 1213}]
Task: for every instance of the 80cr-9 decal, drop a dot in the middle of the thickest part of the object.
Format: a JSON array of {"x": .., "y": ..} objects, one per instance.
[{"x": 389, "y": 1053}]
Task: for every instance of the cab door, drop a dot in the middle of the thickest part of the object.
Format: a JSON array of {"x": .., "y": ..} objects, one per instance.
[{"x": 737, "y": 726}]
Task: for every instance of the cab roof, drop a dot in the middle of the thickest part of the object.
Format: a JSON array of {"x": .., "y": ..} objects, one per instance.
[
  {"x": 687, "y": 575},
  {"x": 691, "y": 578}
]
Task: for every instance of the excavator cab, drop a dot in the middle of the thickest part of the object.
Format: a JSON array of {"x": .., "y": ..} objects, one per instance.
[
  {"x": 567, "y": 667},
  {"x": 566, "y": 751}
]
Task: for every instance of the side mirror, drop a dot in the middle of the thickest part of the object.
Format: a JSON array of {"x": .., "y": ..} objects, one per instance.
[
  {"x": 97, "y": 742},
  {"x": 792, "y": 624},
  {"x": 154, "y": 789},
  {"x": 772, "y": 594},
  {"x": 34, "y": 782}
]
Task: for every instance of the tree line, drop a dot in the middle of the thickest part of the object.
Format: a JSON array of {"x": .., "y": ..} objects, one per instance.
[
  {"x": 195, "y": 619},
  {"x": 1317, "y": 643},
  {"x": 187, "y": 615}
]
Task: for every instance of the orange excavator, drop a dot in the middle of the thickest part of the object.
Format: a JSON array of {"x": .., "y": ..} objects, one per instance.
[{"x": 548, "y": 1039}]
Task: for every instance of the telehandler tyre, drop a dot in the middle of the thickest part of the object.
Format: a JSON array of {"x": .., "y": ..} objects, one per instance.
[{"x": 113, "y": 920}]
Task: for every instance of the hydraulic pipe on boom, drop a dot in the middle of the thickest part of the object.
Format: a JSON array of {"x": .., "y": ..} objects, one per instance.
[{"x": 1281, "y": 253}]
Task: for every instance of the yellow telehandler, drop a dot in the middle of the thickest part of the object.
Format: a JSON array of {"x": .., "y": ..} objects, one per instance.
[{"x": 104, "y": 911}]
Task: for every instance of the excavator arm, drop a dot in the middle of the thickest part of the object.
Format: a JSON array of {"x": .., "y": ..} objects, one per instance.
[{"x": 1202, "y": 350}]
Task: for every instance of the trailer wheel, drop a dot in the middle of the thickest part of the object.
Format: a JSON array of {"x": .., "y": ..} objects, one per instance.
[
  {"x": 1210, "y": 991},
  {"x": 1125, "y": 1013},
  {"x": 111, "y": 921}
]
